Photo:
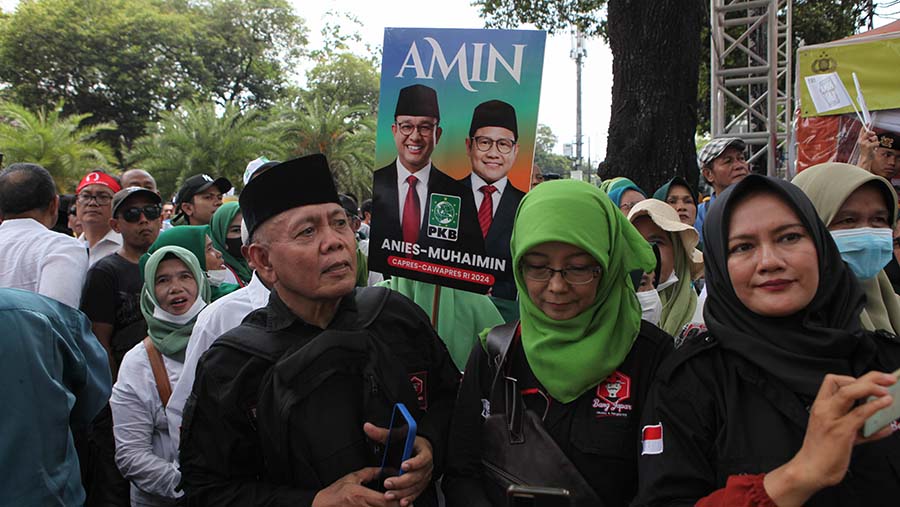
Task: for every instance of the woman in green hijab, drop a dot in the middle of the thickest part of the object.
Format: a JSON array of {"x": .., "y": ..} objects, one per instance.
[
  {"x": 196, "y": 239},
  {"x": 860, "y": 210},
  {"x": 680, "y": 264},
  {"x": 580, "y": 356},
  {"x": 225, "y": 232},
  {"x": 175, "y": 291}
]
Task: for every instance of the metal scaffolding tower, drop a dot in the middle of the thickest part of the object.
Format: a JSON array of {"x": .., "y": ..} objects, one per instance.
[{"x": 751, "y": 62}]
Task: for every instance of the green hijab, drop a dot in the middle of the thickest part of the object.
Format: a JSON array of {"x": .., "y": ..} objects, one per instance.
[
  {"x": 193, "y": 239},
  {"x": 680, "y": 299},
  {"x": 571, "y": 356},
  {"x": 462, "y": 315},
  {"x": 828, "y": 186},
  {"x": 218, "y": 232},
  {"x": 169, "y": 338}
]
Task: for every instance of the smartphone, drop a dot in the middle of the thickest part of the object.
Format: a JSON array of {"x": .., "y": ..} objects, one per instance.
[
  {"x": 536, "y": 496},
  {"x": 399, "y": 445},
  {"x": 887, "y": 415}
]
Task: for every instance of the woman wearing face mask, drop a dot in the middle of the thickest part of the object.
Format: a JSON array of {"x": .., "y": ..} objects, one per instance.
[
  {"x": 195, "y": 239},
  {"x": 175, "y": 291},
  {"x": 577, "y": 365},
  {"x": 766, "y": 409},
  {"x": 680, "y": 263},
  {"x": 861, "y": 211},
  {"x": 225, "y": 232}
]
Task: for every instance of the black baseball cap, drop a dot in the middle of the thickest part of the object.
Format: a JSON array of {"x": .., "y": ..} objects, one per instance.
[
  {"x": 197, "y": 184},
  {"x": 122, "y": 195}
]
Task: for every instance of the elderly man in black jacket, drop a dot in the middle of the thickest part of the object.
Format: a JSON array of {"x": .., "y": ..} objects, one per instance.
[{"x": 303, "y": 248}]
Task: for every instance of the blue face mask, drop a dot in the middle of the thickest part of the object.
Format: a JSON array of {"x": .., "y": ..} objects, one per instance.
[{"x": 867, "y": 250}]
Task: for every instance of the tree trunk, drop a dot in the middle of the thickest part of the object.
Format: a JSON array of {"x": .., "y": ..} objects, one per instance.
[{"x": 656, "y": 57}]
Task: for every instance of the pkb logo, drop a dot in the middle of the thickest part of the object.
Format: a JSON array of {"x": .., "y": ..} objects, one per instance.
[{"x": 443, "y": 217}]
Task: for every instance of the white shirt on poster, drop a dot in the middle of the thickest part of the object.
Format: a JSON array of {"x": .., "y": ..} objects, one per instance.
[
  {"x": 421, "y": 188},
  {"x": 477, "y": 183}
]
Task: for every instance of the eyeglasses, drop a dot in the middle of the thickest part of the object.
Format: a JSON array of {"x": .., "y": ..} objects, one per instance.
[
  {"x": 101, "y": 199},
  {"x": 424, "y": 130},
  {"x": 504, "y": 146},
  {"x": 133, "y": 215},
  {"x": 575, "y": 275}
]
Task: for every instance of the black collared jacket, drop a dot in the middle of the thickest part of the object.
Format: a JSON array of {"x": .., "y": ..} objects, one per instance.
[
  {"x": 722, "y": 415},
  {"x": 221, "y": 461}
]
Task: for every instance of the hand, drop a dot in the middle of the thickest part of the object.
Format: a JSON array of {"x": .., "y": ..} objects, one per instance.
[
  {"x": 348, "y": 490},
  {"x": 416, "y": 470},
  {"x": 868, "y": 141},
  {"x": 833, "y": 429}
]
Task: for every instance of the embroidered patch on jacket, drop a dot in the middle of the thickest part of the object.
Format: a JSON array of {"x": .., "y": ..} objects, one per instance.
[
  {"x": 652, "y": 439},
  {"x": 419, "y": 381},
  {"x": 611, "y": 396}
]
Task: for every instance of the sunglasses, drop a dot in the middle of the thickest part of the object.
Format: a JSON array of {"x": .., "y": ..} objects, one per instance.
[{"x": 132, "y": 215}]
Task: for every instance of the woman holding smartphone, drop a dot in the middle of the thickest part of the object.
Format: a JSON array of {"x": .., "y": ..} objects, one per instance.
[
  {"x": 580, "y": 360},
  {"x": 766, "y": 409}
]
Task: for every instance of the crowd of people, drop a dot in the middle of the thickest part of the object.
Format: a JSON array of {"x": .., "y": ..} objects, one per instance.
[{"x": 660, "y": 348}]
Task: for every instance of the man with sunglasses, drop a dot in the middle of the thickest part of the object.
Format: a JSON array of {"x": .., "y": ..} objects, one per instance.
[
  {"x": 93, "y": 203},
  {"x": 492, "y": 147},
  {"x": 111, "y": 300},
  {"x": 403, "y": 188}
]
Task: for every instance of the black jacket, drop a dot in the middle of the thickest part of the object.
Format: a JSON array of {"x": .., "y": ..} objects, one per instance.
[
  {"x": 221, "y": 461},
  {"x": 496, "y": 243},
  {"x": 602, "y": 443},
  {"x": 722, "y": 415},
  {"x": 386, "y": 226}
]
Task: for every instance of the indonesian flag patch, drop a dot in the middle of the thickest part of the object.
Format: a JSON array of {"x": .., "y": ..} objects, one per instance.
[{"x": 652, "y": 439}]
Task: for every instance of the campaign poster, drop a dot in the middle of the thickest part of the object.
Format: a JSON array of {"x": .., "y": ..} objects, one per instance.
[{"x": 457, "y": 118}]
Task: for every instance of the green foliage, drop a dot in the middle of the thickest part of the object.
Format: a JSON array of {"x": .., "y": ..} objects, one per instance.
[
  {"x": 246, "y": 48},
  {"x": 115, "y": 59},
  {"x": 346, "y": 78},
  {"x": 552, "y": 15},
  {"x": 343, "y": 133},
  {"x": 544, "y": 157},
  {"x": 128, "y": 60},
  {"x": 61, "y": 144},
  {"x": 195, "y": 139}
]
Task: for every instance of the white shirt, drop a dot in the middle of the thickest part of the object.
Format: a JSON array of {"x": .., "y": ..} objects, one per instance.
[
  {"x": 36, "y": 259},
  {"x": 477, "y": 183},
  {"x": 144, "y": 451},
  {"x": 421, "y": 188},
  {"x": 221, "y": 315},
  {"x": 108, "y": 245}
]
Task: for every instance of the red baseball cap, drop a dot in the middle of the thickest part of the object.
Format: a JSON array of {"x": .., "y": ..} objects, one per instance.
[{"x": 99, "y": 178}]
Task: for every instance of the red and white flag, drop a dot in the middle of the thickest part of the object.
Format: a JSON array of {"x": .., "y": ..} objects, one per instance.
[{"x": 652, "y": 439}]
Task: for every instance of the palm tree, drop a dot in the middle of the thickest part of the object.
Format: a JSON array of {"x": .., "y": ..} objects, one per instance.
[
  {"x": 198, "y": 138},
  {"x": 64, "y": 146},
  {"x": 344, "y": 134}
]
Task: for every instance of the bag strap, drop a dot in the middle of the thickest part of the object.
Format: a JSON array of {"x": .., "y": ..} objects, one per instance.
[
  {"x": 159, "y": 372},
  {"x": 498, "y": 341},
  {"x": 369, "y": 303}
]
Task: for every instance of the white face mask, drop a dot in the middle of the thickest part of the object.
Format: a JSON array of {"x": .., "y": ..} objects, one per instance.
[
  {"x": 184, "y": 318},
  {"x": 217, "y": 276},
  {"x": 651, "y": 306},
  {"x": 673, "y": 279}
]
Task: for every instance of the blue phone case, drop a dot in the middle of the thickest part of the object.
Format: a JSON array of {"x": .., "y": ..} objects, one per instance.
[{"x": 400, "y": 408}]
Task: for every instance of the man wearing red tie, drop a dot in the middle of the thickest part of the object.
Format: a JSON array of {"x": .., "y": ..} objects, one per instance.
[
  {"x": 492, "y": 147},
  {"x": 402, "y": 189}
]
